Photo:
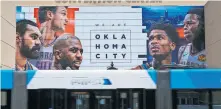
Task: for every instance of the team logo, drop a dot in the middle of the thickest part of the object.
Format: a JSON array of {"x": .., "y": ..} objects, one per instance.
[
  {"x": 185, "y": 53},
  {"x": 202, "y": 57},
  {"x": 96, "y": 81}
]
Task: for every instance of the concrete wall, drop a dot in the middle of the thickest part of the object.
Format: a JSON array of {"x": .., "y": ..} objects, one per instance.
[{"x": 213, "y": 37}]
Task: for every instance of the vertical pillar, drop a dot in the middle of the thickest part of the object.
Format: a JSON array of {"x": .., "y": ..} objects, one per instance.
[
  {"x": 19, "y": 91},
  {"x": 210, "y": 105},
  {"x": 144, "y": 99},
  {"x": 163, "y": 91}
]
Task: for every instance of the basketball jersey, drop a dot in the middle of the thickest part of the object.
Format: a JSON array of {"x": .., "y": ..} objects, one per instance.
[
  {"x": 147, "y": 67},
  {"x": 28, "y": 66},
  {"x": 198, "y": 60},
  {"x": 45, "y": 60}
]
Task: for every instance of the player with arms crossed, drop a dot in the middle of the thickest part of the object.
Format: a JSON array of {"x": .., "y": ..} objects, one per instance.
[
  {"x": 53, "y": 20},
  {"x": 193, "y": 54},
  {"x": 67, "y": 53},
  {"x": 162, "y": 41},
  {"x": 27, "y": 44}
]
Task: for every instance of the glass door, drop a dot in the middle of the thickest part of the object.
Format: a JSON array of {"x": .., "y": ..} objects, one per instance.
[
  {"x": 150, "y": 99},
  {"x": 130, "y": 98},
  {"x": 78, "y": 100},
  {"x": 45, "y": 99},
  {"x": 5, "y": 99},
  {"x": 137, "y": 98},
  {"x": 59, "y": 99},
  {"x": 123, "y": 99},
  {"x": 103, "y": 100}
]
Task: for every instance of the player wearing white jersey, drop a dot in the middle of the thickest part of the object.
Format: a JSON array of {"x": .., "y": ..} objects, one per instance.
[
  {"x": 195, "y": 60},
  {"x": 53, "y": 20},
  {"x": 193, "y": 53},
  {"x": 44, "y": 62}
]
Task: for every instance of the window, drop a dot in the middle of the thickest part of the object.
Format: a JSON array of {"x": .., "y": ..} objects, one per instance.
[
  {"x": 3, "y": 98},
  {"x": 193, "y": 97},
  {"x": 178, "y": 101},
  {"x": 123, "y": 100},
  {"x": 190, "y": 101},
  {"x": 183, "y": 101},
  {"x": 150, "y": 99},
  {"x": 103, "y": 99},
  {"x": 59, "y": 99},
  {"x": 33, "y": 99},
  {"x": 45, "y": 100},
  {"x": 195, "y": 101},
  {"x": 78, "y": 100},
  {"x": 135, "y": 100},
  {"x": 216, "y": 95}
]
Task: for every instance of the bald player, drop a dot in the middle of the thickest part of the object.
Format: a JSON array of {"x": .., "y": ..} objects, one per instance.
[
  {"x": 67, "y": 52},
  {"x": 163, "y": 39},
  {"x": 193, "y": 54},
  {"x": 53, "y": 20}
]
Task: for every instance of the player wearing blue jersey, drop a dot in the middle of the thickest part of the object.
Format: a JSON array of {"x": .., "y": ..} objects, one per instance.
[
  {"x": 27, "y": 44},
  {"x": 193, "y": 53},
  {"x": 67, "y": 52},
  {"x": 53, "y": 20},
  {"x": 162, "y": 41}
]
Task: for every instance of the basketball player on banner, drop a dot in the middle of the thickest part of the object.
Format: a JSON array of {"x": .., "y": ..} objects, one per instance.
[
  {"x": 53, "y": 20},
  {"x": 67, "y": 52},
  {"x": 163, "y": 39},
  {"x": 27, "y": 44},
  {"x": 193, "y": 54}
]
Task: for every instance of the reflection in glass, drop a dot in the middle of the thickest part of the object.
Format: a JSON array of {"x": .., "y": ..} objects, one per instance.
[
  {"x": 45, "y": 99},
  {"x": 123, "y": 100},
  {"x": 103, "y": 102},
  {"x": 103, "y": 99},
  {"x": 59, "y": 99},
  {"x": 135, "y": 101},
  {"x": 79, "y": 100}
]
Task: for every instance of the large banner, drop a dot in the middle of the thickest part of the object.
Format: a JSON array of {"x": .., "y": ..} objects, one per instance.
[{"x": 109, "y": 37}]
